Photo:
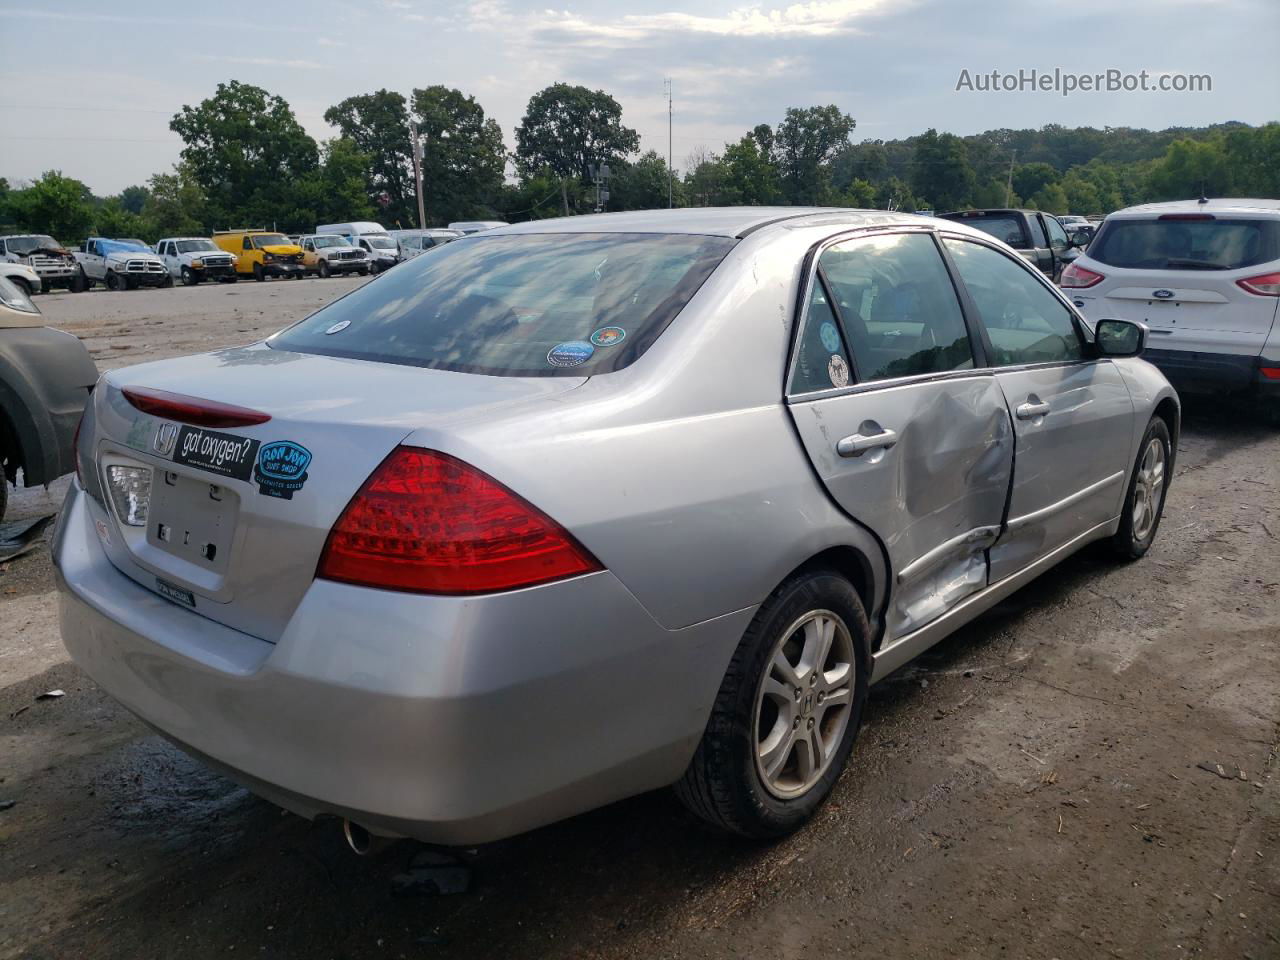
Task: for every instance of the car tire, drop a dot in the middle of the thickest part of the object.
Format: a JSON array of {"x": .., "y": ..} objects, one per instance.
[
  {"x": 4, "y": 491},
  {"x": 737, "y": 782},
  {"x": 80, "y": 282},
  {"x": 258, "y": 273},
  {"x": 1144, "y": 498},
  {"x": 324, "y": 270},
  {"x": 363, "y": 271},
  {"x": 189, "y": 278},
  {"x": 113, "y": 282},
  {"x": 167, "y": 282}
]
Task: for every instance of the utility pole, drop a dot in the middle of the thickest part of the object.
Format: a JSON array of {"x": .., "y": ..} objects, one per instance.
[
  {"x": 671, "y": 167},
  {"x": 417, "y": 174},
  {"x": 1008, "y": 186}
]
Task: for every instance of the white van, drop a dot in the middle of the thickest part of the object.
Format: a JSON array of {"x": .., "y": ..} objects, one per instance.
[{"x": 355, "y": 231}]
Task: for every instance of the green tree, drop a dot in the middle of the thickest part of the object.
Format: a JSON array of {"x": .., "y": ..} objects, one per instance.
[
  {"x": 750, "y": 174},
  {"x": 335, "y": 190},
  {"x": 641, "y": 185},
  {"x": 1189, "y": 167},
  {"x": 59, "y": 206},
  {"x": 176, "y": 204},
  {"x": 1253, "y": 157},
  {"x": 113, "y": 219},
  {"x": 1049, "y": 198},
  {"x": 860, "y": 194},
  {"x": 805, "y": 144},
  {"x": 378, "y": 125},
  {"x": 705, "y": 179},
  {"x": 565, "y": 128},
  {"x": 247, "y": 150},
  {"x": 1082, "y": 194},
  {"x": 941, "y": 175},
  {"x": 463, "y": 154},
  {"x": 1031, "y": 178},
  {"x": 133, "y": 199}
]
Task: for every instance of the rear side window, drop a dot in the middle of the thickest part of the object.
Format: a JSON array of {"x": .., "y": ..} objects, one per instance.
[
  {"x": 822, "y": 362},
  {"x": 1024, "y": 321},
  {"x": 527, "y": 305},
  {"x": 899, "y": 308},
  {"x": 1187, "y": 244},
  {"x": 1003, "y": 227}
]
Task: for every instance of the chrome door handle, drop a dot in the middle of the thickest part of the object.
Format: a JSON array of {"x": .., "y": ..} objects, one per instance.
[
  {"x": 1029, "y": 411},
  {"x": 858, "y": 444}
]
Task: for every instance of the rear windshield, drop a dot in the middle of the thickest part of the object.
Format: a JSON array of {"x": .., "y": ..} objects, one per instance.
[
  {"x": 1187, "y": 244},
  {"x": 1003, "y": 227},
  {"x": 530, "y": 305}
]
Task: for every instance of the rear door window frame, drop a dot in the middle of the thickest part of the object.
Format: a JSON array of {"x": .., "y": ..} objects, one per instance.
[{"x": 812, "y": 273}]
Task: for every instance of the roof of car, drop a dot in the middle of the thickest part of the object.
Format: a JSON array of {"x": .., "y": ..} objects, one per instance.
[
  {"x": 1218, "y": 205},
  {"x": 708, "y": 221}
]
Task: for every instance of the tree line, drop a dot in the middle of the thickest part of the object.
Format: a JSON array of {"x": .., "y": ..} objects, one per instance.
[{"x": 247, "y": 161}]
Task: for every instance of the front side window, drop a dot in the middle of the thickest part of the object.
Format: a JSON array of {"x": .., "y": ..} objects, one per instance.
[
  {"x": 519, "y": 305},
  {"x": 1024, "y": 321},
  {"x": 1057, "y": 236},
  {"x": 899, "y": 308}
]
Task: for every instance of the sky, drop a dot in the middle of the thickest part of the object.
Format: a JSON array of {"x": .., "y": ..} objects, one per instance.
[{"x": 88, "y": 88}]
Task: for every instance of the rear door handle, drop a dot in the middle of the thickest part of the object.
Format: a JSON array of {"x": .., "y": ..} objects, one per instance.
[
  {"x": 1029, "y": 411},
  {"x": 858, "y": 444}
]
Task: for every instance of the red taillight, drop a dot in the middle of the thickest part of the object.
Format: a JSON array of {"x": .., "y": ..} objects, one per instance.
[
  {"x": 1265, "y": 285},
  {"x": 1075, "y": 277},
  {"x": 429, "y": 523},
  {"x": 1271, "y": 373},
  {"x": 192, "y": 410}
]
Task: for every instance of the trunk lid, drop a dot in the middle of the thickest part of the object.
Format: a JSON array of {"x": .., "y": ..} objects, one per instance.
[{"x": 238, "y": 516}]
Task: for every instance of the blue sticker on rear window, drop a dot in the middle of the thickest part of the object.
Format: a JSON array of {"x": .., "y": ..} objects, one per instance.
[
  {"x": 830, "y": 337},
  {"x": 570, "y": 354},
  {"x": 281, "y": 469}
]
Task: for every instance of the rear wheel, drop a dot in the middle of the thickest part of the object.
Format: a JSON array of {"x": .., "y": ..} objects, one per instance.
[
  {"x": 787, "y": 713},
  {"x": 1144, "y": 502}
]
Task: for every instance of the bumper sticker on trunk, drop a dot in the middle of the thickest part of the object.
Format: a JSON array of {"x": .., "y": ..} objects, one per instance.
[
  {"x": 221, "y": 453},
  {"x": 281, "y": 469}
]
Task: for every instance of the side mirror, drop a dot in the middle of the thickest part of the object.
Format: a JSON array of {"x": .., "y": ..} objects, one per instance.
[{"x": 1120, "y": 338}]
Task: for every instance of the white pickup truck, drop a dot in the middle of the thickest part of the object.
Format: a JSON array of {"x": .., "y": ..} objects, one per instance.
[
  {"x": 192, "y": 259},
  {"x": 120, "y": 265},
  {"x": 53, "y": 263}
]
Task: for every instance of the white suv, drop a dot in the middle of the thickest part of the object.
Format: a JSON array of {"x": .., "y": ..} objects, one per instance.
[{"x": 1204, "y": 276}]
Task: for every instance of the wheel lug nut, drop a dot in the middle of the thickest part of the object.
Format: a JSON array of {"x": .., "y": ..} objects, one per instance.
[
  {"x": 797, "y": 694},
  {"x": 811, "y": 723},
  {"x": 795, "y": 723},
  {"x": 821, "y": 696}
]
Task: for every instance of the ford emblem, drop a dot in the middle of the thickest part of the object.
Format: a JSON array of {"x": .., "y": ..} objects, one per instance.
[{"x": 1162, "y": 294}]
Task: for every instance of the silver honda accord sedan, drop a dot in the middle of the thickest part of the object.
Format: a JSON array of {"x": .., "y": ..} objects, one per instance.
[{"x": 580, "y": 508}]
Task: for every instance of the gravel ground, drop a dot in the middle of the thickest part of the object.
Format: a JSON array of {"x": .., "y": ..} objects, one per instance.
[{"x": 1033, "y": 787}]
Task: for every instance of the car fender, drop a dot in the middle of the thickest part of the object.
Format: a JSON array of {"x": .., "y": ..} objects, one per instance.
[
  {"x": 45, "y": 378},
  {"x": 1150, "y": 391}
]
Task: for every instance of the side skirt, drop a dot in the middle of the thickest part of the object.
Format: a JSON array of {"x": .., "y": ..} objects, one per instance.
[{"x": 910, "y": 646}]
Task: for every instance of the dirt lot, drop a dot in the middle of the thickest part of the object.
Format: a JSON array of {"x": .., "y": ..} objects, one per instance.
[{"x": 1032, "y": 788}]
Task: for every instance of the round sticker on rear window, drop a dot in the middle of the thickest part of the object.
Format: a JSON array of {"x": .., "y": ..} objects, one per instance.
[
  {"x": 338, "y": 327},
  {"x": 570, "y": 354},
  {"x": 838, "y": 371},
  {"x": 830, "y": 338},
  {"x": 608, "y": 336}
]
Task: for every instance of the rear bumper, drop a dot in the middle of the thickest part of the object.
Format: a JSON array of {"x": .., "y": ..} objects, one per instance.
[
  {"x": 450, "y": 719},
  {"x": 1195, "y": 372}
]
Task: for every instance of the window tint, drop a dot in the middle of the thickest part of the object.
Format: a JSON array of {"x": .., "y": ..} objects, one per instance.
[
  {"x": 822, "y": 362},
  {"x": 1038, "y": 239},
  {"x": 900, "y": 311},
  {"x": 518, "y": 305},
  {"x": 1006, "y": 227},
  {"x": 1187, "y": 244},
  {"x": 1024, "y": 321},
  {"x": 1057, "y": 236}
]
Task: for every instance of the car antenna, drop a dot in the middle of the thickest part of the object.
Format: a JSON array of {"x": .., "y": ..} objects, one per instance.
[{"x": 1203, "y": 199}]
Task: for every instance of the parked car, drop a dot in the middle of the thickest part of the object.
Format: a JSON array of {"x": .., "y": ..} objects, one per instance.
[
  {"x": 561, "y": 513},
  {"x": 52, "y": 262},
  {"x": 413, "y": 242},
  {"x": 262, "y": 253},
  {"x": 21, "y": 276},
  {"x": 1205, "y": 277},
  {"x": 328, "y": 253},
  {"x": 120, "y": 265},
  {"x": 45, "y": 378},
  {"x": 476, "y": 226},
  {"x": 383, "y": 252},
  {"x": 1038, "y": 237},
  {"x": 194, "y": 259}
]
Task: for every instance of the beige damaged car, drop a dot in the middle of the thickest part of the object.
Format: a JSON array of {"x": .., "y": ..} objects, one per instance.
[{"x": 46, "y": 376}]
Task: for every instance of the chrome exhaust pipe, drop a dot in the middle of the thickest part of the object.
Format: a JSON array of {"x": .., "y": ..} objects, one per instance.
[{"x": 358, "y": 838}]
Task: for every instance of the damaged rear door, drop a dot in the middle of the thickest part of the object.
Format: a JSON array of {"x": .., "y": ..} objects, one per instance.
[{"x": 906, "y": 435}]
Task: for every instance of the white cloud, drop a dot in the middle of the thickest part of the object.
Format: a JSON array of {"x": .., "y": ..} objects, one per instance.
[{"x": 327, "y": 42}]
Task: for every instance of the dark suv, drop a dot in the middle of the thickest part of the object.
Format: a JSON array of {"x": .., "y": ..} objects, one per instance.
[{"x": 1036, "y": 235}]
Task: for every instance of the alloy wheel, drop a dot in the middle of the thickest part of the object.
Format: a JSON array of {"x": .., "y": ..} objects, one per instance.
[
  {"x": 1148, "y": 488},
  {"x": 803, "y": 703}
]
